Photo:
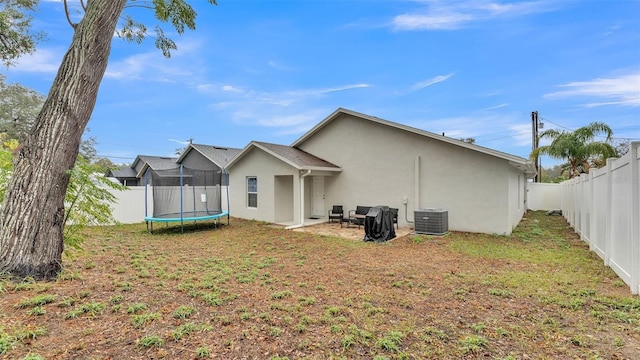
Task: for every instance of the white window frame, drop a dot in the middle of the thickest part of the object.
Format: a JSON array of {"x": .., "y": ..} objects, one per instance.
[{"x": 251, "y": 191}]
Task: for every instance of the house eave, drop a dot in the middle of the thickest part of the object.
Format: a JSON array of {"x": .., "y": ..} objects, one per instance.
[
  {"x": 526, "y": 167},
  {"x": 320, "y": 168}
]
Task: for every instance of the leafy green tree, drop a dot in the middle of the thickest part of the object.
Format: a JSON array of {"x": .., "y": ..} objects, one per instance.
[
  {"x": 19, "y": 107},
  {"x": 32, "y": 216},
  {"x": 88, "y": 200},
  {"x": 622, "y": 147},
  {"x": 16, "y": 37},
  {"x": 553, "y": 174},
  {"x": 578, "y": 147},
  {"x": 7, "y": 146}
]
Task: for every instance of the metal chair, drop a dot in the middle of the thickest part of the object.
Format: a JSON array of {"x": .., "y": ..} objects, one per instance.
[
  {"x": 358, "y": 215},
  {"x": 336, "y": 213}
]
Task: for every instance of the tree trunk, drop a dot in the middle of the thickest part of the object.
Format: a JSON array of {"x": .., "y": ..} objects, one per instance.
[{"x": 32, "y": 215}]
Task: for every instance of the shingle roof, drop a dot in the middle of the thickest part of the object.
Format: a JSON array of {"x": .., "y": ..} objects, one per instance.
[
  {"x": 123, "y": 172},
  {"x": 299, "y": 158},
  {"x": 217, "y": 154},
  {"x": 159, "y": 162},
  {"x": 154, "y": 162}
]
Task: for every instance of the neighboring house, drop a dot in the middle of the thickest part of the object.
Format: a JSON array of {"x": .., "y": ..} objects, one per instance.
[
  {"x": 207, "y": 157},
  {"x": 125, "y": 175},
  {"x": 352, "y": 159},
  {"x": 133, "y": 175}
]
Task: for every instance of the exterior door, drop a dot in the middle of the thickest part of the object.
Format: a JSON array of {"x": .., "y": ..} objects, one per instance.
[{"x": 317, "y": 202}]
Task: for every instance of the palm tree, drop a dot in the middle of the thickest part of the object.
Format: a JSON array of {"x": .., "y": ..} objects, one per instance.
[{"x": 578, "y": 148}]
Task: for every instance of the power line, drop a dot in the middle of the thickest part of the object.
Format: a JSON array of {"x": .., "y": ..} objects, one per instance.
[
  {"x": 505, "y": 137},
  {"x": 115, "y": 157}
]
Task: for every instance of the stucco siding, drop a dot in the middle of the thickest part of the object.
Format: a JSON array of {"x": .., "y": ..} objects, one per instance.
[
  {"x": 283, "y": 191},
  {"x": 517, "y": 204},
  {"x": 384, "y": 165},
  {"x": 265, "y": 167}
]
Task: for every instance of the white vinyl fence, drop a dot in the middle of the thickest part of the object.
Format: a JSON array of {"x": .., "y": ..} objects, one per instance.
[
  {"x": 129, "y": 205},
  {"x": 604, "y": 208},
  {"x": 543, "y": 196}
]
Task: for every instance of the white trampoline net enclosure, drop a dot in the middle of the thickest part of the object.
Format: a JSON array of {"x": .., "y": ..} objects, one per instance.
[{"x": 185, "y": 193}]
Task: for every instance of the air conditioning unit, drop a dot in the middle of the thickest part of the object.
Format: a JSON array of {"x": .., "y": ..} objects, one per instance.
[{"x": 431, "y": 221}]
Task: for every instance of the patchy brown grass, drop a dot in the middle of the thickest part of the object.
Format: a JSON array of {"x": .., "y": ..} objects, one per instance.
[{"x": 252, "y": 291}]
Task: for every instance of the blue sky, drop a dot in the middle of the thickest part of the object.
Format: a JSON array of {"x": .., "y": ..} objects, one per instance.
[{"x": 270, "y": 70}]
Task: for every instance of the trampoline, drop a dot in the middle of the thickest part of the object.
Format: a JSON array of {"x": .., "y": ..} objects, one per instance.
[{"x": 185, "y": 195}]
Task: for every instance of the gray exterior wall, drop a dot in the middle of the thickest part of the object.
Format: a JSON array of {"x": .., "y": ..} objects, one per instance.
[
  {"x": 383, "y": 165},
  {"x": 195, "y": 160}
]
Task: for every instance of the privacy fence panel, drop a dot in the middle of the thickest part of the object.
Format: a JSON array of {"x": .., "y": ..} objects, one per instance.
[
  {"x": 600, "y": 212},
  {"x": 129, "y": 205},
  {"x": 604, "y": 208},
  {"x": 543, "y": 196}
]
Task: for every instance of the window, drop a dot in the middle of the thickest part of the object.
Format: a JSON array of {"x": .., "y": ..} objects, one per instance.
[{"x": 252, "y": 191}]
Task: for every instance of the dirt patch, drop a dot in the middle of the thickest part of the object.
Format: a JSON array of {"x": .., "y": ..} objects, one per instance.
[{"x": 352, "y": 232}]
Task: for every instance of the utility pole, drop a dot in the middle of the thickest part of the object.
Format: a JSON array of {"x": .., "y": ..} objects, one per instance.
[{"x": 535, "y": 126}]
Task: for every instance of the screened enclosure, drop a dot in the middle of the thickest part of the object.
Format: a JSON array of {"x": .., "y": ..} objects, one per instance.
[{"x": 184, "y": 194}]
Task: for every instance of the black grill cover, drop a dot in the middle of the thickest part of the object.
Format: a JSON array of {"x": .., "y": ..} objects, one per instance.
[{"x": 378, "y": 224}]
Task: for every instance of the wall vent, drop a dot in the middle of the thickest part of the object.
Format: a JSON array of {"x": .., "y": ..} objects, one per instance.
[{"x": 431, "y": 221}]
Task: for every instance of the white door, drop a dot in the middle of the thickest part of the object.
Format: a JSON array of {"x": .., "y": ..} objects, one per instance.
[{"x": 317, "y": 202}]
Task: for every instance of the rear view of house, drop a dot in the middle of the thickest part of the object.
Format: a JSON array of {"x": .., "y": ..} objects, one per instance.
[{"x": 353, "y": 159}]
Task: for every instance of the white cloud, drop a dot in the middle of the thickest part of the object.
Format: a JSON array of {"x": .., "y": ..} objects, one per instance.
[
  {"x": 321, "y": 91},
  {"x": 521, "y": 133},
  {"x": 430, "y": 22},
  {"x": 486, "y": 129},
  {"x": 42, "y": 61},
  {"x": 426, "y": 83},
  {"x": 623, "y": 90},
  {"x": 231, "y": 88},
  {"x": 284, "y": 113},
  {"x": 131, "y": 67},
  {"x": 496, "y": 107},
  {"x": 146, "y": 66},
  {"x": 294, "y": 121},
  {"x": 454, "y": 15}
]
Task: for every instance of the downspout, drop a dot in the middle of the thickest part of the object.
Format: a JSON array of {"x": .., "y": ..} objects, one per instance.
[{"x": 301, "y": 224}]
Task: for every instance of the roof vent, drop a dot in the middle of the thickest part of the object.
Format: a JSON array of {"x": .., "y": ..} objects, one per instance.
[{"x": 431, "y": 221}]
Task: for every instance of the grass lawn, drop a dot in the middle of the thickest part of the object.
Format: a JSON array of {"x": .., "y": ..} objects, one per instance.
[{"x": 253, "y": 291}]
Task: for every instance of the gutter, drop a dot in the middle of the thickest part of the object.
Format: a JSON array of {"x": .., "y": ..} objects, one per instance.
[{"x": 301, "y": 224}]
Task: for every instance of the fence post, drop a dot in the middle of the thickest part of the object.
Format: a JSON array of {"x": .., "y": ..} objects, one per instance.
[
  {"x": 635, "y": 212},
  {"x": 584, "y": 188},
  {"x": 608, "y": 229},
  {"x": 592, "y": 210}
]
